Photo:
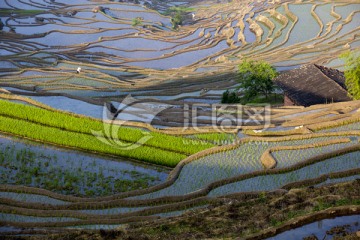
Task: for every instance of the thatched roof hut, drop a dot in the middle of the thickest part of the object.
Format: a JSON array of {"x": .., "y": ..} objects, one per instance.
[{"x": 312, "y": 84}]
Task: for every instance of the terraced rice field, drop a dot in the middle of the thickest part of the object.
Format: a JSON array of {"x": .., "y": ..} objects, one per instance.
[
  {"x": 69, "y": 172},
  {"x": 43, "y": 43},
  {"x": 199, "y": 180},
  {"x": 272, "y": 182}
]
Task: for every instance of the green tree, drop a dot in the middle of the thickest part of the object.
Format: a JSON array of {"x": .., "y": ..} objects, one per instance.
[
  {"x": 352, "y": 73},
  {"x": 256, "y": 79}
]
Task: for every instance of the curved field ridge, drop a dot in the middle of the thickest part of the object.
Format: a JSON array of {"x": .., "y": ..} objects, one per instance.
[
  {"x": 30, "y": 198},
  {"x": 268, "y": 160},
  {"x": 274, "y": 181}
]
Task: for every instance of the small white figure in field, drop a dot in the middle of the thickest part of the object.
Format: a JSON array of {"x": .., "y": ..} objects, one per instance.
[
  {"x": 257, "y": 131},
  {"x": 78, "y": 70},
  {"x": 193, "y": 16},
  {"x": 299, "y": 127}
]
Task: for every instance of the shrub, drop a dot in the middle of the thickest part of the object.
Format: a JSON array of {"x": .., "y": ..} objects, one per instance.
[
  {"x": 136, "y": 21},
  {"x": 230, "y": 97},
  {"x": 176, "y": 20},
  {"x": 352, "y": 74}
]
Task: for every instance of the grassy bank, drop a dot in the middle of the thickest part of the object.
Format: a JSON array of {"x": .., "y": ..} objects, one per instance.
[
  {"x": 23, "y": 12},
  {"x": 73, "y": 131}
]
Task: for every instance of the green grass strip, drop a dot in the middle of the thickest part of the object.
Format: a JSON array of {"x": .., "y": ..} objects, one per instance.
[
  {"x": 86, "y": 142},
  {"x": 6, "y": 12},
  {"x": 69, "y": 122}
]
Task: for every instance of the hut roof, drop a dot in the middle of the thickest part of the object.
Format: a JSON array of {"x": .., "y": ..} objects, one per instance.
[{"x": 313, "y": 84}]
